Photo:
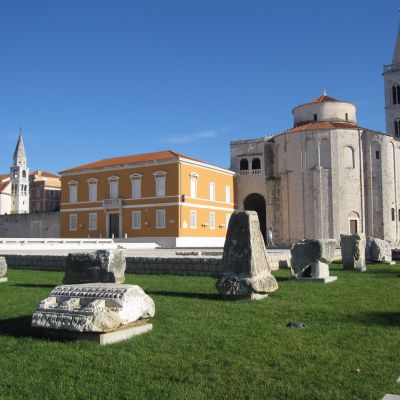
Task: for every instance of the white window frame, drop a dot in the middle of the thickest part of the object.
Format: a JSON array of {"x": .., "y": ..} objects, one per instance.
[
  {"x": 212, "y": 191},
  {"x": 136, "y": 179},
  {"x": 228, "y": 194},
  {"x": 73, "y": 191},
  {"x": 193, "y": 184},
  {"x": 159, "y": 213},
  {"x": 73, "y": 227},
  {"x": 92, "y": 183},
  {"x": 113, "y": 180},
  {"x": 160, "y": 177},
  {"x": 212, "y": 220},
  {"x": 92, "y": 221},
  {"x": 139, "y": 220},
  {"x": 193, "y": 219}
]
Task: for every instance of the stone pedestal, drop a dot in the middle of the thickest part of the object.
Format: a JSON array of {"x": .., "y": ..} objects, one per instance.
[
  {"x": 101, "y": 338},
  {"x": 353, "y": 251},
  {"x": 311, "y": 258},
  {"x": 248, "y": 273}
]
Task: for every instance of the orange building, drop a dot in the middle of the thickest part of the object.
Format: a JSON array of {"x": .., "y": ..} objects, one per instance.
[{"x": 162, "y": 197}]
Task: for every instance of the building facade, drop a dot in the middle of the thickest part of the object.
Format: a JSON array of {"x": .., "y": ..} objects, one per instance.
[
  {"x": 45, "y": 191},
  {"x": 324, "y": 177},
  {"x": 162, "y": 197}
]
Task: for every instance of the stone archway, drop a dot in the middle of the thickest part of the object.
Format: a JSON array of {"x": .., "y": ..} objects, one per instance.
[{"x": 256, "y": 202}]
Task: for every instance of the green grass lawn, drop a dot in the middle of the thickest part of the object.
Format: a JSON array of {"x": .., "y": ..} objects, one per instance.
[{"x": 205, "y": 348}]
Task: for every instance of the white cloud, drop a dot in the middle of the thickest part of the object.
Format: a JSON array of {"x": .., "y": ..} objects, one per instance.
[{"x": 191, "y": 137}]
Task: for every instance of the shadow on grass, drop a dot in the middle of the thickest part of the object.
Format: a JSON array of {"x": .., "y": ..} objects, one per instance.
[
  {"x": 17, "y": 327},
  {"x": 284, "y": 278},
  {"x": 35, "y": 285},
  {"x": 376, "y": 318},
  {"x": 187, "y": 295}
]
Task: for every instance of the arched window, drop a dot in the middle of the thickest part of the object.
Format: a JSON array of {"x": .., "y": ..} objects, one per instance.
[
  {"x": 348, "y": 156},
  {"x": 397, "y": 128},
  {"x": 396, "y": 94},
  {"x": 393, "y": 214},
  {"x": 255, "y": 163},
  {"x": 23, "y": 173},
  {"x": 354, "y": 219},
  {"x": 244, "y": 164}
]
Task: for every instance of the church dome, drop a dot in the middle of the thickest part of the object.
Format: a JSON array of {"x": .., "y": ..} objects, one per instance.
[{"x": 324, "y": 109}]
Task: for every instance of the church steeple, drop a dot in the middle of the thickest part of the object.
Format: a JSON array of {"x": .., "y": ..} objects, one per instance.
[
  {"x": 19, "y": 179},
  {"x": 391, "y": 75},
  {"x": 396, "y": 54},
  {"x": 19, "y": 153}
]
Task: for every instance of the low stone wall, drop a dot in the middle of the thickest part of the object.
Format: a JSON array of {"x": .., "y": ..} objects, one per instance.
[
  {"x": 33, "y": 225},
  {"x": 190, "y": 266}
]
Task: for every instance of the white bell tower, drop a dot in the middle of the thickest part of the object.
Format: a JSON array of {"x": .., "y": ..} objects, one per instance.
[
  {"x": 391, "y": 75},
  {"x": 19, "y": 180}
]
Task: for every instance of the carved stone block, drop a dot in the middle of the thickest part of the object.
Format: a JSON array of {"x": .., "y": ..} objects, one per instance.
[
  {"x": 97, "y": 307},
  {"x": 106, "y": 266}
]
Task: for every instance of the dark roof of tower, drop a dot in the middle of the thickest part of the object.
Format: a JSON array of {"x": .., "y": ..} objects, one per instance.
[
  {"x": 20, "y": 148},
  {"x": 324, "y": 99}
]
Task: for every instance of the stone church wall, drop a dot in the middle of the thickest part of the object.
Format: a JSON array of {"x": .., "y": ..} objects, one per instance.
[{"x": 34, "y": 225}]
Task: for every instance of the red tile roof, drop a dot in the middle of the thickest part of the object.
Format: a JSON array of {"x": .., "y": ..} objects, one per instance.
[
  {"x": 137, "y": 158},
  {"x": 3, "y": 186},
  {"x": 4, "y": 176},
  {"x": 322, "y": 125},
  {"x": 44, "y": 173},
  {"x": 324, "y": 99}
]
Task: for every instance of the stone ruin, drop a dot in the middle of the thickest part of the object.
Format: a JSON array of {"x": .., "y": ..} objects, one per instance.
[
  {"x": 3, "y": 270},
  {"x": 93, "y": 304},
  {"x": 378, "y": 250},
  {"x": 311, "y": 258},
  {"x": 248, "y": 273},
  {"x": 96, "y": 308},
  {"x": 353, "y": 251},
  {"x": 107, "y": 266}
]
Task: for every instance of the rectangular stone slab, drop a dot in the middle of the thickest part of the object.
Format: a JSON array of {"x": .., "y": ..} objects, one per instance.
[
  {"x": 2, "y": 280},
  {"x": 328, "y": 279},
  {"x": 100, "y": 338}
]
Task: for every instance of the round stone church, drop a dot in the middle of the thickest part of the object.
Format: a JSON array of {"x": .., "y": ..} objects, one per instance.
[{"x": 324, "y": 177}]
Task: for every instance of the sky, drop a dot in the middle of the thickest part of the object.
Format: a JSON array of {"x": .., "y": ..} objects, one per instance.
[{"x": 93, "y": 79}]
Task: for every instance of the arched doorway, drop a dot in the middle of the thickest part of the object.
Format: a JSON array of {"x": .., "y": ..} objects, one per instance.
[{"x": 256, "y": 202}]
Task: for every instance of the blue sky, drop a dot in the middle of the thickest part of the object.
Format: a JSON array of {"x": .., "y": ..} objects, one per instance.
[{"x": 95, "y": 79}]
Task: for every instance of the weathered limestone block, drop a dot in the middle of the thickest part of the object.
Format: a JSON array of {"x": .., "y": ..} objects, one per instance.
[
  {"x": 353, "y": 251},
  {"x": 311, "y": 258},
  {"x": 94, "y": 307},
  {"x": 3, "y": 270},
  {"x": 378, "y": 250},
  {"x": 106, "y": 266},
  {"x": 248, "y": 273}
]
